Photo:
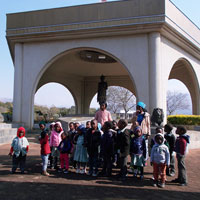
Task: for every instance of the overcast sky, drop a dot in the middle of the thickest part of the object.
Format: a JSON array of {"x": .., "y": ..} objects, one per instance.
[{"x": 189, "y": 7}]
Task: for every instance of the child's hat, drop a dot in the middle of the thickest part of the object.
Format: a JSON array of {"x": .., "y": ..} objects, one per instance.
[
  {"x": 141, "y": 104},
  {"x": 161, "y": 135},
  {"x": 59, "y": 124},
  {"x": 81, "y": 128},
  {"x": 21, "y": 129},
  {"x": 42, "y": 122}
]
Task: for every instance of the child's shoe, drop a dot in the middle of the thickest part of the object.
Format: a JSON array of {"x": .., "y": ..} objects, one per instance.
[
  {"x": 45, "y": 173},
  {"x": 66, "y": 171},
  {"x": 83, "y": 171},
  {"x": 56, "y": 167},
  {"x": 78, "y": 171},
  {"x": 135, "y": 175},
  {"x": 175, "y": 181},
  {"x": 155, "y": 183},
  {"x": 94, "y": 174},
  {"x": 172, "y": 174},
  {"x": 141, "y": 177},
  {"x": 60, "y": 170},
  {"x": 183, "y": 184},
  {"x": 89, "y": 173},
  {"x": 161, "y": 185}
]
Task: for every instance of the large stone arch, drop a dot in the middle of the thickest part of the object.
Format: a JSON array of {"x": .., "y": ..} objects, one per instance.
[
  {"x": 183, "y": 71},
  {"x": 92, "y": 82}
]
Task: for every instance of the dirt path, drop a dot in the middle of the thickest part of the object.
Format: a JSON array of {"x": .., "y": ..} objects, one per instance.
[{"x": 75, "y": 186}]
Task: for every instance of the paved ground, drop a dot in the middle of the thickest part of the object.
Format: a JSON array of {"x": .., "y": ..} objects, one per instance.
[{"x": 74, "y": 186}]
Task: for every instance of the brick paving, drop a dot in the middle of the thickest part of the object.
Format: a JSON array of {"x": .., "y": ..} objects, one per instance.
[{"x": 33, "y": 185}]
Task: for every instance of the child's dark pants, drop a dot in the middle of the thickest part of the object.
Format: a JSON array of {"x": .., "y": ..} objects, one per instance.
[
  {"x": 107, "y": 164},
  {"x": 182, "y": 176},
  {"x": 20, "y": 160},
  {"x": 123, "y": 164},
  {"x": 93, "y": 163}
]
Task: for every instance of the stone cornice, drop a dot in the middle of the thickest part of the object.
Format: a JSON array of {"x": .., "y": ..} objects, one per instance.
[
  {"x": 104, "y": 28},
  {"x": 101, "y": 24},
  {"x": 91, "y": 29}
]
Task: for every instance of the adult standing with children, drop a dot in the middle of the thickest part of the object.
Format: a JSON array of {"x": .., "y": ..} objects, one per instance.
[
  {"x": 103, "y": 115},
  {"x": 143, "y": 118}
]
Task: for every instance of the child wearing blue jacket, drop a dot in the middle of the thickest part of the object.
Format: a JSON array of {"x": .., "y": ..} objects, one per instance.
[
  {"x": 64, "y": 148},
  {"x": 138, "y": 152}
]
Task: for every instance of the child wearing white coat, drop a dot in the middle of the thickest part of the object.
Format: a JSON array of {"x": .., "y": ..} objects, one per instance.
[{"x": 160, "y": 159}]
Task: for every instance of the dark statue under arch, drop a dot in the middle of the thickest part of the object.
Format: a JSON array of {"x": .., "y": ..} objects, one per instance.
[{"x": 102, "y": 88}]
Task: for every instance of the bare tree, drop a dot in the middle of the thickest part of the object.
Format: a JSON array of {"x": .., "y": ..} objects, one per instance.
[
  {"x": 112, "y": 99},
  {"x": 176, "y": 101},
  {"x": 120, "y": 98}
]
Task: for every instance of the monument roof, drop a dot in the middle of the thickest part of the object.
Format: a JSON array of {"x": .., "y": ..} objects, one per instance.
[{"x": 103, "y": 19}]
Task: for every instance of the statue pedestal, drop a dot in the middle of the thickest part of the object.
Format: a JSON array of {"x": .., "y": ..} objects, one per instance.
[{"x": 153, "y": 130}]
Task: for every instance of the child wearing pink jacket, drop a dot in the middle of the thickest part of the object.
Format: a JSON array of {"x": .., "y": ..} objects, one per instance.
[{"x": 55, "y": 140}]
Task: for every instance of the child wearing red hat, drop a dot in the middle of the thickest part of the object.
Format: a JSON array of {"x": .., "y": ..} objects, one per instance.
[{"x": 19, "y": 149}]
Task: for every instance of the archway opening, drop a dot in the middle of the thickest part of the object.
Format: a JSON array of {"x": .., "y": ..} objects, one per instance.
[
  {"x": 178, "y": 98},
  {"x": 182, "y": 71},
  {"x": 53, "y": 101},
  {"x": 121, "y": 102}
]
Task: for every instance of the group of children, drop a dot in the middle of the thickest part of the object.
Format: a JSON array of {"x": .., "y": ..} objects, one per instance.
[
  {"x": 163, "y": 148},
  {"x": 106, "y": 147}
]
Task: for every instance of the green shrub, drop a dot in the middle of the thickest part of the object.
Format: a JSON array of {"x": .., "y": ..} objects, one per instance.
[{"x": 184, "y": 119}]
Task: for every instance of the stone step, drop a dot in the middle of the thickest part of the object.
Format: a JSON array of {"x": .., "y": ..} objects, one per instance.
[
  {"x": 8, "y": 126},
  {"x": 5, "y": 126},
  {"x": 7, "y": 134}
]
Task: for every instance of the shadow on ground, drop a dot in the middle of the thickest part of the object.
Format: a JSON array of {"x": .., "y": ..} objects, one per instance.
[{"x": 48, "y": 191}]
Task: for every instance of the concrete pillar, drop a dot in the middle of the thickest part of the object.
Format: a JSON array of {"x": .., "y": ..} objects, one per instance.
[
  {"x": 91, "y": 87},
  {"x": 83, "y": 111},
  {"x": 155, "y": 75},
  {"x": 18, "y": 78},
  {"x": 87, "y": 93}
]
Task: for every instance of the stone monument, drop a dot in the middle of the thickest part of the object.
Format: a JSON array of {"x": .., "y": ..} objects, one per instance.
[{"x": 157, "y": 117}]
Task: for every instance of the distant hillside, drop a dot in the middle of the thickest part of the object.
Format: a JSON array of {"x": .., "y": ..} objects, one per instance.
[
  {"x": 6, "y": 107},
  {"x": 4, "y": 100}
]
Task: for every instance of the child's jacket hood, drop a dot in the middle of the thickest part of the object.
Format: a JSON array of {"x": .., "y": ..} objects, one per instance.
[
  {"x": 161, "y": 136},
  {"x": 59, "y": 124},
  {"x": 19, "y": 130},
  {"x": 186, "y": 137}
]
